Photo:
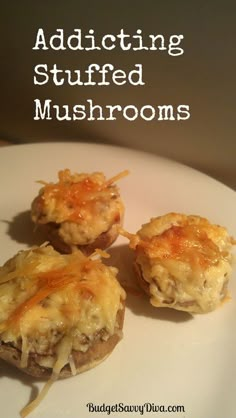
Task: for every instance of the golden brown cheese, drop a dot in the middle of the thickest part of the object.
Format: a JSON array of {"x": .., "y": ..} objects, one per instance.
[
  {"x": 83, "y": 205},
  {"x": 53, "y": 306},
  {"x": 45, "y": 295},
  {"x": 185, "y": 261}
]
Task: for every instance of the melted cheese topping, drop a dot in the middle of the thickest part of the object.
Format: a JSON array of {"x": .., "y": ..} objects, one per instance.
[
  {"x": 185, "y": 260},
  {"x": 44, "y": 295},
  {"x": 85, "y": 205},
  {"x": 51, "y": 304}
]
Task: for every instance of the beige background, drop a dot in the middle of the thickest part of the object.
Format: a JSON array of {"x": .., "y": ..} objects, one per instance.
[{"x": 204, "y": 77}]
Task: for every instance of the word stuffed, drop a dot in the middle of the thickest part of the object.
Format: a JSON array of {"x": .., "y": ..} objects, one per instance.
[{"x": 75, "y": 77}]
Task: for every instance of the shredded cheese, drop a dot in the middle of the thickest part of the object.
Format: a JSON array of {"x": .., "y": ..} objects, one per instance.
[
  {"x": 72, "y": 365},
  {"x": 116, "y": 178},
  {"x": 71, "y": 296},
  {"x": 184, "y": 262},
  {"x": 187, "y": 243},
  {"x": 35, "y": 403},
  {"x": 73, "y": 194}
]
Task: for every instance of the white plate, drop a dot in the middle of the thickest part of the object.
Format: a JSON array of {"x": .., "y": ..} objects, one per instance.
[{"x": 164, "y": 358}]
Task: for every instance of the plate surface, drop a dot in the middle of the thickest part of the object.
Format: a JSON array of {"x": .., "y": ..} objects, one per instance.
[{"x": 166, "y": 357}]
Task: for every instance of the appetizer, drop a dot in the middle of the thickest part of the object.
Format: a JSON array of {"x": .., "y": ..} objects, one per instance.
[
  {"x": 80, "y": 211},
  {"x": 59, "y": 314},
  {"x": 183, "y": 262}
]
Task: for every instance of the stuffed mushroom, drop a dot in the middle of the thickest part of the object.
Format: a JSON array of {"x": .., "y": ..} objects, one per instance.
[
  {"x": 59, "y": 314},
  {"x": 183, "y": 262},
  {"x": 80, "y": 211}
]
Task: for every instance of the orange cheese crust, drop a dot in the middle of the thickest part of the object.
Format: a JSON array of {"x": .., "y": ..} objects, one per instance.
[
  {"x": 59, "y": 314},
  {"x": 183, "y": 262},
  {"x": 79, "y": 211}
]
